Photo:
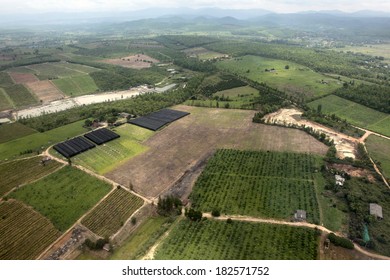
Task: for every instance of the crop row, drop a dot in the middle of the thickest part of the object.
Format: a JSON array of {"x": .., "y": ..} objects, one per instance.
[
  {"x": 108, "y": 217},
  {"x": 24, "y": 233},
  {"x": 215, "y": 240}
]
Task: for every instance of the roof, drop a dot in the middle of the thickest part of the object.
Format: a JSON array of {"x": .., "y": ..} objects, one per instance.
[
  {"x": 376, "y": 210},
  {"x": 339, "y": 180},
  {"x": 300, "y": 215}
]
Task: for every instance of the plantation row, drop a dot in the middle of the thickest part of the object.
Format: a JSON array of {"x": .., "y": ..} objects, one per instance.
[
  {"x": 216, "y": 240},
  {"x": 24, "y": 234},
  {"x": 266, "y": 184},
  {"x": 108, "y": 217},
  {"x": 23, "y": 171},
  {"x": 260, "y": 163}
]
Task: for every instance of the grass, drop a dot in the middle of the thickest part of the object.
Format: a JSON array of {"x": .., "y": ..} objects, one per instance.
[
  {"x": 23, "y": 171},
  {"x": 39, "y": 141},
  {"x": 379, "y": 150},
  {"x": 264, "y": 184},
  {"x": 64, "y": 196},
  {"x": 219, "y": 240},
  {"x": 107, "y": 157},
  {"x": 24, "y": 233},
  {"x": 237, "y": 98},
  {"x": 110, "y": 215},
  {"x": 78, "y": 67},
  {"x": 20, "y": 96},
  {"x": 5, "y": 101},
  {"x": 297, "y": 80},
  {"x": 374, "y": 50},
  {"x": 53, "y": 70},
  {"x": 354, "y": 113},
  {"x": 75, "y": 86},
  {"x": 139, "y": 241},
  {"x": 5, "y": 80},
  {"x": 14, "y": 131}
]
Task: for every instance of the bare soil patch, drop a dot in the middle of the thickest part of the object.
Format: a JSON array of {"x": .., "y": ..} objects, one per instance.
[
  {"x": 23, "y": 78},
  {"x": 45, "y": 90},
  {"x": 138, "y": 61},
  {"x": 180, "y": 146},
  {"x": 354, "y": 171}
]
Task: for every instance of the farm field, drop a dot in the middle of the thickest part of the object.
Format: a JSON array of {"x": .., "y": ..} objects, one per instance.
[
  {"x": 202, "y": 53},
  {"x": 18, "y": 172},
  {"x": 55, "y": 70},
  {"x": 5, "y": 80},
  {"x": 219, "y": 240},
  {"x": 138, "y": 61},
  {"x": 24, "y": 233},
  {"x": 75, "y": 86},
  {"x": 204, "y": 130},
  {"x": 110, "y": 215},
  {"x": 13, "y": 131},
  {"x": 258, "y": 184},
  {"x": 373, "y": 50},
  {"x": 297, "y": 80},
  {"x": 45, "y": 91},
  {"x": 140, "y": 240},
  {"x": 5, "y": 102},
  {"x": 238, "y": 98},
  {"x": 20, "y": 96},
  {"x": 23, "y": 78},
  {"x": 379, "y": 150},
  {"x": 64, "y": 196},
  {"x": 39, "y": 141},
  {"x": 107, "y": 157},
  {"x": 354, "y": 113}
]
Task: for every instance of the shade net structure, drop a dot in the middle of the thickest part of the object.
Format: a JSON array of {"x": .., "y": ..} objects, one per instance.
[
  {"x": 154, "y": 121},
  {"x": 73, "y": 146},
  {"x": 101, "y": 136}
]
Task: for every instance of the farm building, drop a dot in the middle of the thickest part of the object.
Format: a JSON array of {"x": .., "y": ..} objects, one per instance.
[
  {"x": 376, "y": 210},
  {"x": 339, "y": 180},
  {"x": 300, "y": 215}
]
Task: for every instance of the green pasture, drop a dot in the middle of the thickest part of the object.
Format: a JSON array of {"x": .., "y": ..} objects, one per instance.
[{"x": 77, "y": 85}]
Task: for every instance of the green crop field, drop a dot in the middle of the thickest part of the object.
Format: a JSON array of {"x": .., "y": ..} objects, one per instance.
[
  {"x": 265, "y": 184},
  {"x": 20, "y": 96},
  {"x": 74, "y": 86},
  {"x": 110, "y": 215},
  {"x": 23, "y": 171},
  {"x": 53, "y": 70},
  {"x": 24, "y": 233},
  {"x": 237, "y": 98},
  {"x": 39, "y": 141},
  {"x": 107, "y": 157},
  {"x": 14, "y": 131},
  {"x": 297, "y": 80},
  {"x": 63, "y": 196},
  {"x": 5, "y": 101},
  {"x": 219, "y": 240},
  {"x": 354, "y": 113},
  {"x": 379, "y": 150},
  {"x": 83, "y": 69}
]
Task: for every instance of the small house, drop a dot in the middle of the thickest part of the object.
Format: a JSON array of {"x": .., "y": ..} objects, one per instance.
[
  {"x": 339, "y": 180},
  {"x": 376, "y": 210},
  {"x": 300, "y": 215}
]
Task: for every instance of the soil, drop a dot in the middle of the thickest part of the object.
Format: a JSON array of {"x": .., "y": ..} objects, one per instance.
[
  {"x": 23, "y": 78},
  {"x": 354, "y": 171},
  {"x": 138, "y": 61},
  {"x": 45, "y": 91}
]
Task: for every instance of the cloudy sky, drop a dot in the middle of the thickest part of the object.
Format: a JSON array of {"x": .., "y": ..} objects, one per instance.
[{"x": 36, "y": 6}]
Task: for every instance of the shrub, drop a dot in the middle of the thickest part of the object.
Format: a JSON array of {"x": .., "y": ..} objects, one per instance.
[
  {"x": 216, "y": 213},
  {"x": 340, "y": 241}
]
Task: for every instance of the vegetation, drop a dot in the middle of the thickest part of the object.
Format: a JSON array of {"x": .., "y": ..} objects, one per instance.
[
  {"x": 24, "y": 233},
  {"x": 110, "y": 215},
  {"x": 63, "y": 196},
  {"x": 78, "y": 85},
  {"x": 20, "y": 96},
  {"x": 169, "y": 205},
  {"x": 354, "y": 113},
  {"x": 340, "y": 241},
  {"x": 266, "y": 184},
  {"x": 14, "y": 131},
  {"x": 217, "y": 240},
  {"x": 379, "y": 149},
  {"x": 19, "y": 172}
]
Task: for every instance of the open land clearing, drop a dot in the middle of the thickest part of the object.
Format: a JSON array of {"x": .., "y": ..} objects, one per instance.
[
  {"x": 24, "y": 233},
  {"x": 354, "y": 113},
  {"x": 379, "y": 150},
  {"x": 183, "y": 143},
  {"x": 138, "y": 61},
  {"x": 45, "y": 91},
  {"x": 203, "y": 54},
  {"x": 13, "y": 131},
  {"x": 345, "y": 145},
  {"x": 297, "y": 80},
  {"x": 23, "y": 78}
]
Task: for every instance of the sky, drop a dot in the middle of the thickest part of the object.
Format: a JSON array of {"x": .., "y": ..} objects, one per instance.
[{"x": 282, "y": 6}]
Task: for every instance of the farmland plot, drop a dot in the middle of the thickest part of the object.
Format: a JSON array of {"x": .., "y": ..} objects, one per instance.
[
  {"x": 109, "y": 216},
  {"x": 138, "y": 61},
  {"x": 265, "y": 184},
  {"x": 219, "y": 240},
  {"x": 20, "y": 96},
  {"x": 23, "y": 171},
  {"x": 75, "y": 86},
  {"x": 5, "y": 102},
  {"x": 23, "y": 78},
  {"x": 24, "y": 233},
  {"x": 45, "y": 91}
]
